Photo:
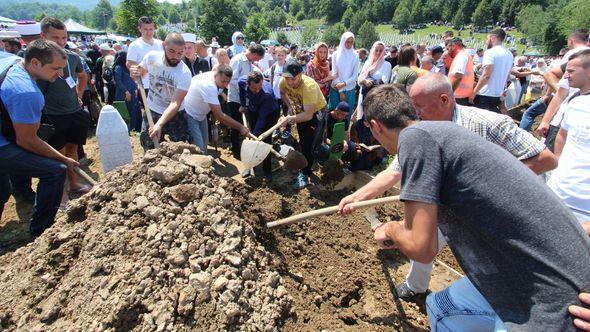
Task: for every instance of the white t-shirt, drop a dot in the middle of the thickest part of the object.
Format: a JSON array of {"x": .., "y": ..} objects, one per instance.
[
  {"x": 266, "y": 62},
  {"x": 202, "y": 92},
  {"x": 502, "y": 60},
  {"x": 138, "y": 49},
  {"x": 164, "y": 80},
  {"x": 278, "y": 73},
  {"x": 571, "y": 179},
  {"x": 460, "y": 63}
]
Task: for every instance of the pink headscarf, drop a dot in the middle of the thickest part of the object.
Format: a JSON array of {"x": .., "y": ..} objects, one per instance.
[{"x": 373, "y": 62}]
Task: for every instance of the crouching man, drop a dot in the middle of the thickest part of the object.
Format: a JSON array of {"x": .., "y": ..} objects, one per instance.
[
  {"x": 22, "y": 152},
  {"x": 495, "y": 214}
]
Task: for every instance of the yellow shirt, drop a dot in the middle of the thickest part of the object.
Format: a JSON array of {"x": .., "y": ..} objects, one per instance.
[{"x": 308, "y": 93}]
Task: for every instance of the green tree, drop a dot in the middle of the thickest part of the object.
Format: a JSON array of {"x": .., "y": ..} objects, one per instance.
[
  {"x": 295, "y": 7},
  {"x": 275, "y": 18},
  {"x": 367, "y": 35},
  {"x": 331, "y": 9},
  {"x": 482, "y": 15},
  {"x": 161, "y": 33},
  {"x": 161, "y": 20},
  {"x": 347, "y": 16},
  {"x": 333, "y": 33},
  {"x": 256, "y": 28},
  {"x": 174, "y": 15},
  {"x": 575, "y": 15},
  {"x": 101, "y": 15},
  {"x": 39, "y": 17},
  {"x": 221, "y": 18},
  {"x": 309, "y": 35},
  {"x": 417, "y": 12},
  {"x": 402, "y": 17},
  {"x": 358, "y": 19},
  {"x": 282, "y": 38},
  {"x": 459, "y": 19},
  {"x": 129, "y": 12}
]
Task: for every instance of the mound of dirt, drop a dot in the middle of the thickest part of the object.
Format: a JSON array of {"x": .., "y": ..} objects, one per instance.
[{"x": 158, "y": 245}]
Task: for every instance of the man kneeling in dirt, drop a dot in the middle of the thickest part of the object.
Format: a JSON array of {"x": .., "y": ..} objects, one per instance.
[
  {"x": 22, "y": 152},
  {"x": 494, "y": 212},
  {"x": 433, "y": 99}
]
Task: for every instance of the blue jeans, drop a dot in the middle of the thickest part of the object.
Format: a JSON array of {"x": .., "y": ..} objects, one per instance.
[
  {"x": 460, "y": 307},
  {"x": 199, "y": 132},
  {"x": 334, "y": 100},
  {"x": 536, "y": 109},
  {"x": 51, "y": 174}
]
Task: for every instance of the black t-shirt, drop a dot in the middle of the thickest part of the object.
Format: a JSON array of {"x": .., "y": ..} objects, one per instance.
[
  {"x": 517, "y": 243},
  {"x": 392, "y": 61}
]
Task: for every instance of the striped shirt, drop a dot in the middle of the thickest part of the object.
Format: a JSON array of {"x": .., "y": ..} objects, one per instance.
[{"x": 496, "y": 128}]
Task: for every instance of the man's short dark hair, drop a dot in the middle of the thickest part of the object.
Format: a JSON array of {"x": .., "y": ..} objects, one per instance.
[
  {"x": 499, "y": 33},
  {"x": 225, "y": 70},
  {"x": 479, "y": 50},
  {"x": 51, "y": 22},
  {"x": 144, "y": 20},
  {"x": 406, "y": 56},
  {"x": 457, "y": 41},
  {"x": 363, "y": 51},
  {"x": 293, "y": 47},
  {"x": 580, "y": 35},
  {"x": 12, "y": 42},
  {"x": 44, "y": 51},
  {"x": 389, "y": 105},
  {"x": 393, "y": 49},
  {"x": 437, "y": 50},
  {"x": 256, "y": 49},
  {"x": 255, "y": 76},
  {"x": 584, "y": 56}
]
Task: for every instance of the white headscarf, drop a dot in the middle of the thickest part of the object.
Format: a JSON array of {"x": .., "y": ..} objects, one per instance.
[
  {"x": 343, "y": 59},
  {"x": 374, "y": 62}
]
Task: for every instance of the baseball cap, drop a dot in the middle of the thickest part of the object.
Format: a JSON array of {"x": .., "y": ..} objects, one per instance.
[
  {"x": 291, "y": 68},
  {"x": 105, "y": 47},
  {"x": 343, "y": 106}
]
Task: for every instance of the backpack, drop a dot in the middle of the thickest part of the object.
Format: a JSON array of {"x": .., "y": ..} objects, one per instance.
[
  {"x": 46, "y": 128},
  {"x": 108, "y": 71}
]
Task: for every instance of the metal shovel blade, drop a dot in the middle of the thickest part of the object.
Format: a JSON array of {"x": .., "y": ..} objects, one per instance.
[
  {"x": 295, "y": 160},
  {"x": 254, "y": 152}
]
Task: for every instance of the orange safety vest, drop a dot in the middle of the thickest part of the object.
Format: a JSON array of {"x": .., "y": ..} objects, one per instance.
[{"x": 467, "y": 81}]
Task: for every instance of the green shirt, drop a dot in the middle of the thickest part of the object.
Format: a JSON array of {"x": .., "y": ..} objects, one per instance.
[
  {"x": 403, "y": 75},
  {"x": 60, "y": 98}
]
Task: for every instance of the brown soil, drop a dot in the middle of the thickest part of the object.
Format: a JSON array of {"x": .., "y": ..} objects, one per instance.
[{"x": 333, "y": 272}]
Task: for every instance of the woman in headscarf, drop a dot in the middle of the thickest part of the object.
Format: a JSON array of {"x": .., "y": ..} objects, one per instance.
[
  {"x": 237, "y": 40},
  {"x": 126, "y": 90},
  {"x": 319, "y": 68},
  {"x": 375, "y": 71},
  {"x": 345, "y": 69}
]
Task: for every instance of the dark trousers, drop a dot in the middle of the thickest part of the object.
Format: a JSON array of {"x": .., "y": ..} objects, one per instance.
[
  {"x": 110, "y": 93},
  {"x": 550, "y": 138},
  {"x": 269, "y": 122},
  {"x": 463, "y": 101},
  {"x": 236, "y": 140},
  {"x": 51, "y": 174},
  {"x": 310, "y": 137},
  {"x": 99, "y": 85},
  {"x": 487, "y": 103},
  {"x": 176, "y": 129}
]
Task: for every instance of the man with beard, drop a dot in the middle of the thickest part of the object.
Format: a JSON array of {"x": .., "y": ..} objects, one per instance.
[{"x": 169, "y": 79}]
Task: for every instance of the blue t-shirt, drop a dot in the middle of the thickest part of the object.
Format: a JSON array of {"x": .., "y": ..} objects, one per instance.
[{"x": 21, "y": 97}]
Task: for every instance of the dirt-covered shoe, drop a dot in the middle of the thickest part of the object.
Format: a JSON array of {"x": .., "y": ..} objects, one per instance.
[{"x": 404, "y": 292}]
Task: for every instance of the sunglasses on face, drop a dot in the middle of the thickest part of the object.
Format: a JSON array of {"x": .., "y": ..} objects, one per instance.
[{"x": 239, "y": 37}]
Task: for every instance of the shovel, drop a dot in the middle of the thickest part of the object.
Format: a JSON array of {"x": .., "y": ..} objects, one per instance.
[
  {"x": 253, "y": 152},
  {"x": 148, "y": 114},
  {"x": 330, "y": 210},
  {"x": 245, "y": 121}
]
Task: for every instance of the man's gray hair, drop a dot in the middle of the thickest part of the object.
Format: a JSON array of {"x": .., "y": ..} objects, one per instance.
[{"x": 434, "y": 83}]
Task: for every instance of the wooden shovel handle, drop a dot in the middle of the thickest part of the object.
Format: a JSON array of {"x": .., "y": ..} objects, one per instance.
[
  {"x": 273, "y": 151},
  {"x": 268, "y": 132},
  {"x": 330, "y": 210},
  {"x": 84, "y": 175},
  {"x": 148, "y": 114}
]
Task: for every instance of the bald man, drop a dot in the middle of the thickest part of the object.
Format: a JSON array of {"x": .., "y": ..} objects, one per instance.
[{"x": 433, "y": 99}]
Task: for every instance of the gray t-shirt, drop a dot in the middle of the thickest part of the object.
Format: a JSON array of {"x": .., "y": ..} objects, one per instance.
[
  {"x": 522, "y": 249},
  {"x": 60, "y": 97}
]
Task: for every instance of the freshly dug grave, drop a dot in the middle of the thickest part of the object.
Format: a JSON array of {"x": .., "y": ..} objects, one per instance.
[
  {"x": 156, "y": 246},
  {"x": 330, "y": 265}
]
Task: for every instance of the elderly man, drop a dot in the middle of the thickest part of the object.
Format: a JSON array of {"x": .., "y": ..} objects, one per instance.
[
  {"x": 169, "y": 80},
  {"x": 496, "y": 128},
  {"x": 495, "y": 214}
]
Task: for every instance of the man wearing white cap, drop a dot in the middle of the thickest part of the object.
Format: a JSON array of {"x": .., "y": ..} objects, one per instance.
[
  {"x": 141, "y": 46},
  {"x": 105, "y": 50},
  {"x": 189, "y": 58},
  {"x": 28, "y": 33}
]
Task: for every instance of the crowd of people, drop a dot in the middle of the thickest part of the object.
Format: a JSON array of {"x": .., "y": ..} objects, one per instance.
[{"x": 470, "y": 175}]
